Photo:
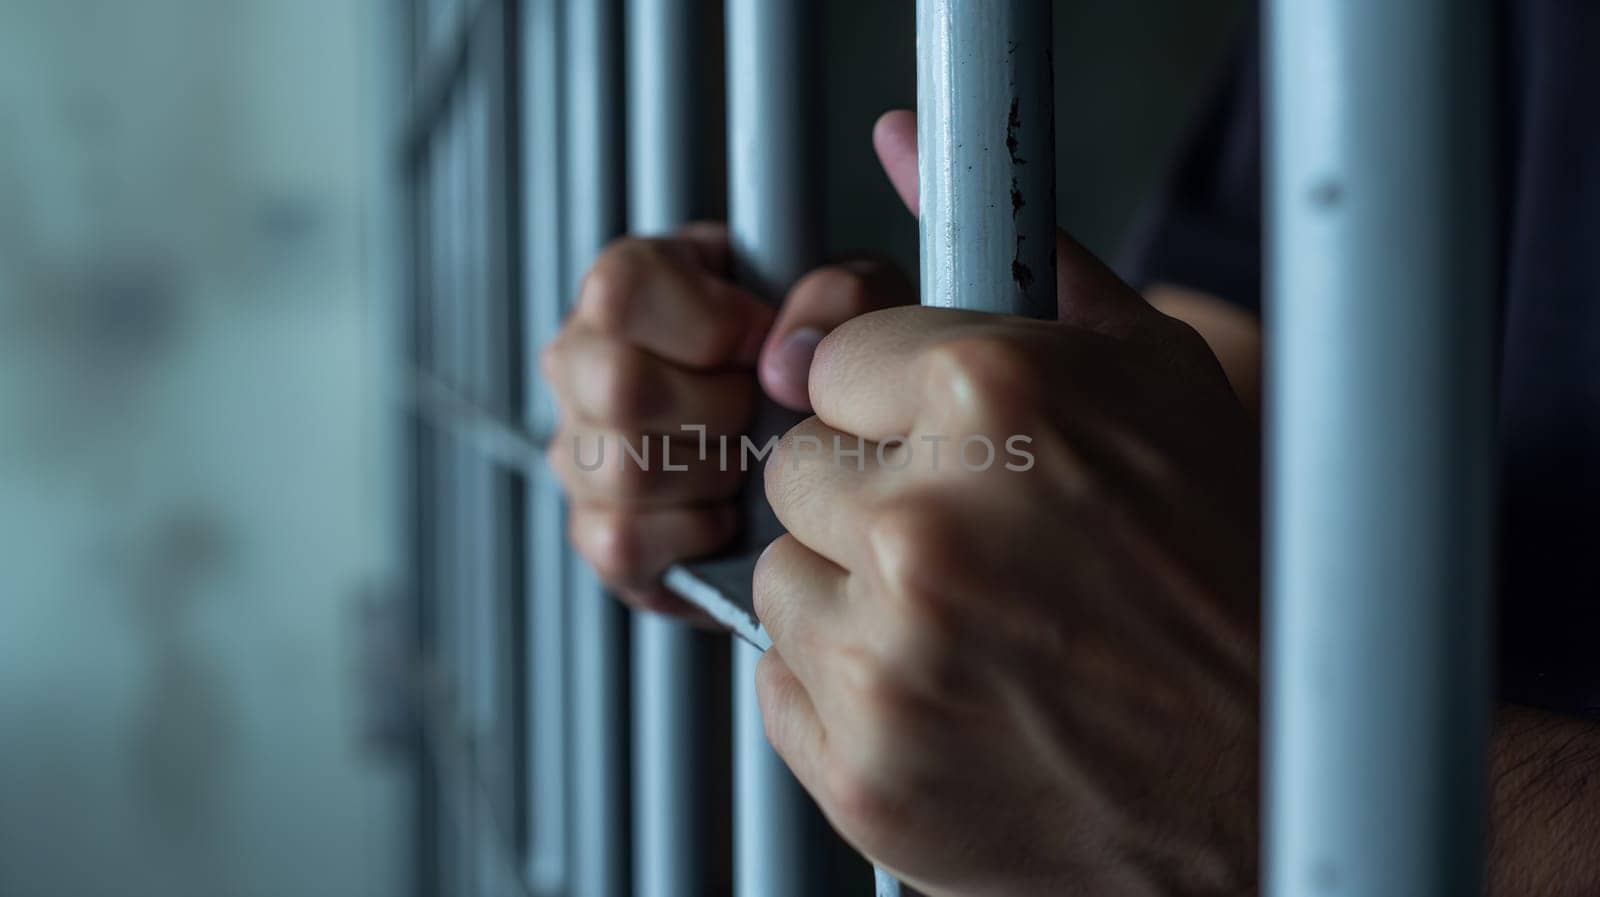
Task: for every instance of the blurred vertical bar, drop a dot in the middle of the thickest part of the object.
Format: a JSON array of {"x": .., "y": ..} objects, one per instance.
[
  {"x": 1380, "y": 391},
  {"x": 598, "y": 662},
  {"x": 672, "y": 789},
  {"x": 419, "y": 249},
  {"x": 775, "y": 222},
  {"x": 494, "y": 43},
  {"x": 545, "y": 292},
  {"x": 986, "y": 141},
  {"x": 986, "y": 163},
  {"x": 462, "y": 491}
]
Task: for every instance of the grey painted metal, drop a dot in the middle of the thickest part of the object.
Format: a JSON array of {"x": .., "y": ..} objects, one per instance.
[
  {"x": 775, "y": 842},
  {"x": 483, "y": 593},
  {"x": 544, "y": 291},
  {"x": 598, "y": 646},
  {"x": 986, "y": 135},
  {"x": 672, "y": 791},
  {"x": 1380, "y": 391},
  {"x": 986, "y": 164},
  {"x": 722, "y": 588},
  {"x": 774, "y": 220},
  {"x": 456, "y": 366},
  {"x": 773, "y": 159}
]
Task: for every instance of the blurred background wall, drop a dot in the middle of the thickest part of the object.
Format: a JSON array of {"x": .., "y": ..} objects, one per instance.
[
  {"x": 199, "y": 505},
  {"x": 193, "y": 486}
]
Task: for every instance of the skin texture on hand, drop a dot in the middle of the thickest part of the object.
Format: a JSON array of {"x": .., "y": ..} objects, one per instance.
[
  {"x": 1037, "y": 681},
  {"x": 659, "y": 339},
  {"x": 1545, "y": 819}
]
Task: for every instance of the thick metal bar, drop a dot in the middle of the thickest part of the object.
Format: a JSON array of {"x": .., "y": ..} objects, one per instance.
[
  {"x": 986, "y": 164},
  {"x": 1380, "y": 390},
  {"x": 458, "y": 600},
  {"x": 482, "y": 592},
  {"x": 672, "y": 790},
  {"x": 598, "y": 645},
  {"x": 499, "y": 184},
  {"x": 464, "y": 491},
  {"x": 774, "y": 221},
  {"x": 986, "y": 138},
  {"x": 544, "y": 575}
]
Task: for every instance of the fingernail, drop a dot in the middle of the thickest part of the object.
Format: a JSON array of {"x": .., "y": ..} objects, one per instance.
[{"x": 789, "y": 367}]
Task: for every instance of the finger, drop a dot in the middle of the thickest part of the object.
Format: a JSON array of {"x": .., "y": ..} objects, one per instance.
[
  {"x": 869, "y": 375},
  {"x": 819, "y": 483},
  {"x": 608, "y": 382},
  {"x": 627, "y": 469},
  {"x": 792, "y": 725},
  {"x": 895, "y": 139},
  {"x": 709, "y": 243},
  {"x": 821, "y": 301},
  {"x": 630, "y": 548},
  {"x": 797, "y": 595},
  {"x": 648, "y": 293}
]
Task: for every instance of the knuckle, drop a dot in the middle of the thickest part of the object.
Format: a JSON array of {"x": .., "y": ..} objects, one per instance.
[
  {"x": 775, "y": 476},
  {"x": 552, "y": 358},
  {"x": 610, "y": 542},
  {"x": 911, "y": 548},
  {"x": 863, "y": 796},
  {"x": 984, "y": 372},
  {"x": 611, "y": 284},
  {"x": 621, "y": 390},
  {"x": 764, "y": 584},
  {"x": 624, "y": 478},
  {"x": 771, "y": 692},
  {"x": 843, "y": 287},
  {"x": 881, "y": 695},
  {"x": 776, "y": 694}
]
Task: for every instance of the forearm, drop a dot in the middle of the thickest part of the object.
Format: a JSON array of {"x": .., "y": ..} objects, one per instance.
[
  {"x": 1545, "y": 794},
  {"x": 1545, "y": 774}
]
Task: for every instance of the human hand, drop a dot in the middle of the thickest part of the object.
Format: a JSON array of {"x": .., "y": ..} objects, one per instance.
[
  {"x": 1037, "y": 677},
  {"x": 660, "y": 344}
]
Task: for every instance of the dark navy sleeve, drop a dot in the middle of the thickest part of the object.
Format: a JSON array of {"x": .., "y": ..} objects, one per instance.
[{"x": 1203, "y": 229}]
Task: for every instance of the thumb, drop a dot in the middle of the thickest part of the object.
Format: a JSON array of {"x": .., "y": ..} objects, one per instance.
[
  {"x": 819, "y": 302},
  {"x": 1088, "y": 292}
]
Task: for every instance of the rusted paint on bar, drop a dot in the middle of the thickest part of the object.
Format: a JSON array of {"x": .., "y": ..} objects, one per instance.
[{"x": 986, "y": 141}]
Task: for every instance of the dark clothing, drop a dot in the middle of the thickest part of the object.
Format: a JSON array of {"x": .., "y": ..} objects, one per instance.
[{"x": 1206, "y": 234}]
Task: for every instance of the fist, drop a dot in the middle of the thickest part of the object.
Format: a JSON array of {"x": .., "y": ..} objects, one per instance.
[
  {"x": 661, "y": 354},
  {"x": 1014, "y": 620}
]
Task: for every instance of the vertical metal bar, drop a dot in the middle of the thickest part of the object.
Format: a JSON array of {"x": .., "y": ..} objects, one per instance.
[
  {"x": 986, "y": 139},
  {"x": 599, "y": 637},
  {"x": 544, "y": 289},
  {"x": 481, "y": 360},
  {"x": 672, "y": 791},
  {"x": 462, "y": 491},
  {"x": 775, "y": 222},
  {"x": 1380, "y": 462},
  {"x": 986, "y": 163},
  {"x": 464, "y": 488},
  {"x": 494, "y": 45}
]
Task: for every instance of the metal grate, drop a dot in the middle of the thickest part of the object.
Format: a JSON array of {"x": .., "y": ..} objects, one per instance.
[{"x": 566, "y": 748}]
